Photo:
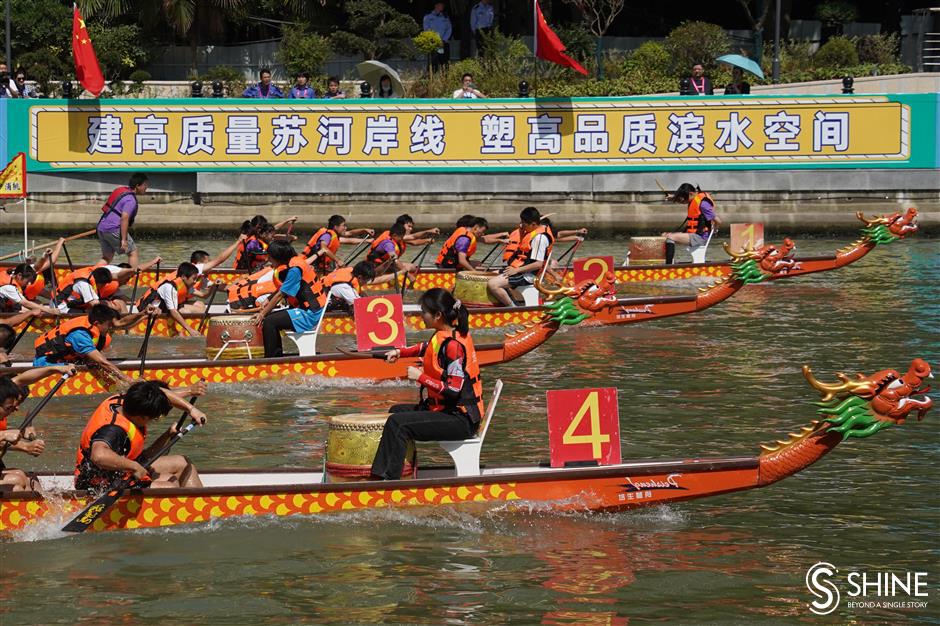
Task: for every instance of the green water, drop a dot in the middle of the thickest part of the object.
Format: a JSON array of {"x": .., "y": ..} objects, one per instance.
[{"x": 715, "y": 383}]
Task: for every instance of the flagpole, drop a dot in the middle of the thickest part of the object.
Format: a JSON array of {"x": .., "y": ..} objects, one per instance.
[
  {"x": 535, "y": 48},
  {"x": 25, "y": 229}
]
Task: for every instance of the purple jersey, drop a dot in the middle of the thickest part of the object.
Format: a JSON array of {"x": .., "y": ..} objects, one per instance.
[{"x": 111, "y": 222}]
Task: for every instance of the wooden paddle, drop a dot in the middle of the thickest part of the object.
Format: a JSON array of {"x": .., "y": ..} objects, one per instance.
[
  {"x": 47, "y": 244},
  {"x": 142, "y": 353},
  {"x": 19, "y": 335},
  {"x": 36, "y": 409},
  {"x": 492, "y": 250},
  {"x": 419, "y": 258},
  {"x": 67, "y": 257},
  {"x": 205, "y": 316},
  {"x": 134, "y": 293},
  {"x": 375, "y": 353},
  {"x": 571, "y": 250},
  {"x": 356, "y": 251},
  {"x": 83, "y": 521}
]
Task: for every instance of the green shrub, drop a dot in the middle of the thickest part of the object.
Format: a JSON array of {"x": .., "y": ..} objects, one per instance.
[
  {"x": 696, "y": 42},
  {"x": 427, "y": 41},
  {"x": 650, "y": 59},
  {"x": 43, "y": 66},
  {"x": 303, "y": 51},
  {"x": 233, "y": 80},
  {"x": 139, "y": 76},
  {"x": 580, "y": 42},
  {"x": 119, "y": 49},
  {"x": 499, "y": 46},
  {"x": 838, "y": 52},
  {"x": 880, "y": 49},
  {"x": 836, "y": 13}
]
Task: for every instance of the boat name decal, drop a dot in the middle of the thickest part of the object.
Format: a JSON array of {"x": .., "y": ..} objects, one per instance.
[
  {"x": 671, "y": 482},
  {"x": 627, "y": 312}
]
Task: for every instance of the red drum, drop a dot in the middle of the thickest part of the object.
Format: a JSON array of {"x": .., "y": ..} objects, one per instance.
[
  {"x": 238, "y": 333},
  {"x": 647, "y": 250}
]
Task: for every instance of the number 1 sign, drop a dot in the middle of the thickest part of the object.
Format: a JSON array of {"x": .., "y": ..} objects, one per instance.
[{"x": 583, "y": 426}]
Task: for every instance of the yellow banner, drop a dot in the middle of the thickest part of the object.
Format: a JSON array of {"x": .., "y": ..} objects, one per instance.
[
  {"x": 477, "y": 134},
  {"x": 13, "y": 178}
]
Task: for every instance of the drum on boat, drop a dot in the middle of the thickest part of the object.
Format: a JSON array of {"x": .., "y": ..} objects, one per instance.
[
  {"x": 470, "y": 289},
  {"x": 647, "y": 250},
  {"x": 236, "y": 336},
  {"x": 352, "y": 443}
]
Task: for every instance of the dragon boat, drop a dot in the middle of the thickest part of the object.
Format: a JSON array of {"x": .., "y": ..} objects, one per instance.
[
  {"x": 855, "y": 407},
  {"x": 184, "y": 372},
  {"x": 877, "y": 230},
  {"x": 771, "y": 263}
]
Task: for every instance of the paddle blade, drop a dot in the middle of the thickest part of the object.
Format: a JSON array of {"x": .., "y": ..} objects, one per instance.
[{"x": 93, "y": 511}]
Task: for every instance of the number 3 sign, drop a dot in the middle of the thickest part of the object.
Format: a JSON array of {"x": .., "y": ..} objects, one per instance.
[
  {"x": 380, "y": 322},
  {"x": 583, "y": 425}
]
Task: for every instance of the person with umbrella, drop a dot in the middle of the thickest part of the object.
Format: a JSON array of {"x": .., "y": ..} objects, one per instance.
[
  {"x": 740, "y": 64},
  {"x": 738, "y": 85},
  {"x": 385, "y": 88}
]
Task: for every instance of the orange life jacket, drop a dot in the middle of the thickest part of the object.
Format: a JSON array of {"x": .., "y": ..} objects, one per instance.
[
  {"x": 116, "y": 196},
  {"x": 110, "y": 412},
  {"x": 448, "y": 255},
  {"x": 343, "y": 275},
  {"x": 151, "y": 295},
  {"x": 379, "y": 257},
  {"x": 311, "y": 294},
  {"x": 524, "y": 252},
  {"x": 515, "y": 238},
  {"x": 32, "y": 292},
  {"x": 695, "y": 221},
  {"x": 435, "y": 366},
  {"x": 246, "y": 259},
  {"x": 68, "y": 294},
  {"x": 244, "y": 293},
  {"x": 55, "y": 347},
  {"x": 324, "y": 264}
]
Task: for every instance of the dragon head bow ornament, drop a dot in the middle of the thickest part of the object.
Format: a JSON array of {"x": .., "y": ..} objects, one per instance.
[
  {"x": 864, "y": 405},
  {"x": 886, "y": 228},
  {"x": 590, "y": 295}
]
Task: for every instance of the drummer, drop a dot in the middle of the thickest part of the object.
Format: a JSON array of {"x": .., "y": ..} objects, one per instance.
[
  {"x": 329, "y": 238},
  {"x": 12, "y": 393},
  {"x": 449, "y": 374},
  {"x": 299, "y": 284},
  {"x": 345, "y": 284},
  {"x": 114, "y": 438},
  {"x": 528, "y": 259}
]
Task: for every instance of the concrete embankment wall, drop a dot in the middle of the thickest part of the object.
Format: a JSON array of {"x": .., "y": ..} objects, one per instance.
[{"x": 798, "y": 201}]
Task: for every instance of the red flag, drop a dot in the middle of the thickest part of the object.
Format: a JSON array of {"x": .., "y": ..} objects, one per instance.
[
  {"x": 87, "y": 70},
  {"x": 548, "y": 46}
]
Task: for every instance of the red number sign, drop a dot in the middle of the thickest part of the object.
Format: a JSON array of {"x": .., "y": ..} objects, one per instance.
[
  {"x": 380, "y": 322},
  {"x": 583, "y": 425},
  {"x": 592, "y": 268},
  {"x": 743, "y": 235}
]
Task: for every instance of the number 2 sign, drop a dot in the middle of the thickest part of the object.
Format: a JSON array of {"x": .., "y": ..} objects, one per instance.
[
  {"x": 380, "y": 322},
  {"x": 592, "y": 268},
  {"x": 583, "y": 426}
]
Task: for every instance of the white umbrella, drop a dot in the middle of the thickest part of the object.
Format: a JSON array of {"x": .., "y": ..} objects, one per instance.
[{"x": 373, "y": 71}]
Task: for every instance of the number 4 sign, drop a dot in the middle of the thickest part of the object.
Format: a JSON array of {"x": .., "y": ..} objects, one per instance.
[
  {"x": 583, "y": 426},
  {"x": 380, "y": 322}
]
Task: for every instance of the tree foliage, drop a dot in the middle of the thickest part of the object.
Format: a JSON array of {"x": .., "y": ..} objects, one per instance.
[
  {"x": 696, "y": 42},
  {"x": 303, "y": 51},
  {"x": 375, "y": 30}
]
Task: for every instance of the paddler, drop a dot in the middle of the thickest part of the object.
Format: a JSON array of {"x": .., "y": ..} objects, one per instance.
[
  {"x": 387, "y": 249},
  {"x": 462, "y": 243},
  {"x": 328, "y": 240},
  {"x": 114, "y": 439},
  {"x": 344, "y": 285},
  {"x": 450, "y": 374},
  {"x": 12, "y": 285},
  {"x": 83, "y": 339},
  {"x": 13, "y": 391},
  {"x": 527, "y": 260},
  {"x": 300, "y": 285},
  {"x": 251, "y": 292},
  {"x": 205, "y": 263},
  {"x": 515, "y": 237},
  {"x": 413, "y": 237},
  {"x": 701, "y": 218},
  {"x": 171, "y": 294},
  {"x": 8, "y": 334},
  {"x": 86, "y": 287}
]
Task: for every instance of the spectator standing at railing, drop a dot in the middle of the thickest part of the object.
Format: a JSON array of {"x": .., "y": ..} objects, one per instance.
[
  {"x": 440, "y": 24},
  {"x": 302, "y": 88},
  {"x": 24, "y": 90},
  {"x": 737, "y": 85},
  {"x": 7, "y": 86},
  {"x": 468, "y": 89},
  {"x": 385, "y": 88},
  {"x": 265, "y": 89},
  {"x": 333, "y": 92},
  {"x": 481, "y": 21},
  {"x": 697, "y": 84}
]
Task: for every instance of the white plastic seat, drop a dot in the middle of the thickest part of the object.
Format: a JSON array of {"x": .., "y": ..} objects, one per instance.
[
  {"x": 530, "y": 295},
  {"x": 698, "y": 252},
  {"x": 466, "y": 453},
  {"x": 306, "y": 342}
]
